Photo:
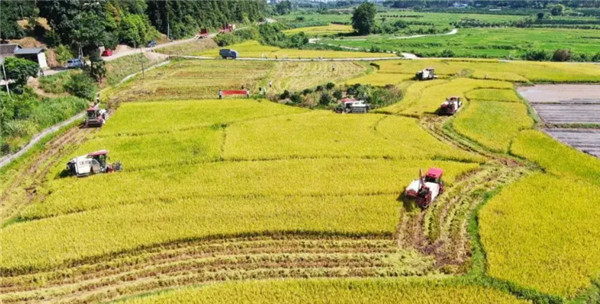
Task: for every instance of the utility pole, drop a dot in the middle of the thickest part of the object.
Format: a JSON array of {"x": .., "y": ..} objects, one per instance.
[
  {"x": 142, "y": 62},
  {"x": 5, "y": 78},
  {"x": 168, "y": 32}
]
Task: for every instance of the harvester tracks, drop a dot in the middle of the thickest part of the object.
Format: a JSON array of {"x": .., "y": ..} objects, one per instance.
[
  {"x": 33, "y": 174},
  {"x": 205, "y": 261},
  {"x": 441, "y": 230}
]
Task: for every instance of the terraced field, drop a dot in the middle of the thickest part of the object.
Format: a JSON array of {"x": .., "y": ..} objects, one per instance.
[{"x": 304, "y": 205}]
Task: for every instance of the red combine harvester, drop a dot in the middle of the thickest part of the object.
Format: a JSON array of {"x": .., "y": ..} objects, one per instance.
[
  {"x": 349, "y": 105},
  {"x": 203, "y": 33},
  {"x": 233, "y": 92},
  {"x": 96, "y": 117},
  {"x": 451, "y": 105},
  {"x": 426, "y": 190},
  {"x": 227, "y": 28},
  {"x": 92, "y": 163}
]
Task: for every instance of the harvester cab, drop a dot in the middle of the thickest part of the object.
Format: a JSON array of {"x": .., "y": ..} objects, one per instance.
[
  {"x": 95, "y": 117},
  {"x": 426, "y": 74},
  {"x": 92, "y": 163},
  {"x": 353, "y": 106},
  {"x": 451, "y": 105},
  {"x": 426, "y": 189}
]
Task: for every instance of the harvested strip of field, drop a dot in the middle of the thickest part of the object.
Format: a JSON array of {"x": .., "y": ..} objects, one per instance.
[
  {"x": 204, "y": 261},
  {"x": 584, "y": 140},
  {"x": 492, "y": 124},
  {"x": 195, "y": 79},
  {"x": 21, "y": 183},
  {"x": 335, "y": 291},
  {"x": 329, "y": 134},
  {"x": 127, "y": 227},
  {"x": 296, "y": 76}
]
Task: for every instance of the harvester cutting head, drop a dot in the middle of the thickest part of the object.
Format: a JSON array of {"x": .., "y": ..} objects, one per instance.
[
  {"x": 427, "y": 188},
  {"x": 92, "y": 163}
]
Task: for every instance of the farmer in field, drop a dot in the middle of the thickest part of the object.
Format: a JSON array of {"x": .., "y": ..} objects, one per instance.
[
  {"x": 271, "y": 84},
  {"x": 220, "y": 94}
]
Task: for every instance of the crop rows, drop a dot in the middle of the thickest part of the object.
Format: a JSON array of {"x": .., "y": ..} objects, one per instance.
[
  {"x": 323, "y": 291},
  {"x": 296, "y": 76},
  {"x": 187, "y": 263}
]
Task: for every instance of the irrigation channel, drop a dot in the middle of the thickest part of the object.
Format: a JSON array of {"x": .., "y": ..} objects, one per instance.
[{"x": 570, "y": 112}]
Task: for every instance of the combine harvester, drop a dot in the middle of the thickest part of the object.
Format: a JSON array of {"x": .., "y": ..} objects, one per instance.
[
  {"x": 352, "y": 106},
  {"x": 96, "y": 117},
  {"x": 92, "y": 163},
  {"x": 450, "y": 106},
  {"x": 426, "y": 74},
  {"x": 426, "y": 190}
]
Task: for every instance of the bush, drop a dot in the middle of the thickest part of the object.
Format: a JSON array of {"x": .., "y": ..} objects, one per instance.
[
  {"x": 81, "y": 85},
  {"x": 537, "y": 55},
  {"x": 330, "y": 85},
  {"x": 596, "y": 58},
  {"x": 306, "y": 91},
  {"x": 338, "y": 94},
  {"x": 447, "y": 53},
  {"x": 285, "y": 95},
  {"x": 562, "y": 55},
  {"x": 325, "y": 99},
  {"x": 296, "y": 98}
]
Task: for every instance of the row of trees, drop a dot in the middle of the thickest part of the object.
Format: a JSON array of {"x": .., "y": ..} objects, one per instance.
[{"x": 86, "y": 25}]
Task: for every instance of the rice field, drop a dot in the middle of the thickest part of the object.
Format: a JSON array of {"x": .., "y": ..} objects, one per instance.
[
  {"x": 253, "y": 201},
  {"x": 333, "y": 291},
  {"x": 296, "y": 76},
  {"x": 323, "y": 30},
  {"x": 493, "y": 124}
]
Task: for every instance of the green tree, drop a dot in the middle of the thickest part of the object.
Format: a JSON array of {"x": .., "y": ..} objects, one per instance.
[
  {"x": 20, "y": 70},
  {"x": 562, "y": 55},
  {"x": 283, "y": 7},
  {"x": 557, "y": 10},
  {"x": 363, "y": 18},
  {"x": 81, "y": 85}
]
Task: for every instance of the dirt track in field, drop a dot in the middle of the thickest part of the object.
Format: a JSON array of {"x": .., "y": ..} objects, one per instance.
[{"x": 32, "y": 174}]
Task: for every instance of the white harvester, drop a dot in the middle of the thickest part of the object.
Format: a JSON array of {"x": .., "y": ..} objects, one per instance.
[
  {"x": 92, "y": 163},
  {"x": 426, "y": 74}
]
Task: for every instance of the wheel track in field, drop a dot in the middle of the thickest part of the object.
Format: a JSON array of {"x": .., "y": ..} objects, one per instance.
[
  {"x": 441, "y": 230},
  {"x": 33, "y": 175},
  {"x": 205, "y": 261}
]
